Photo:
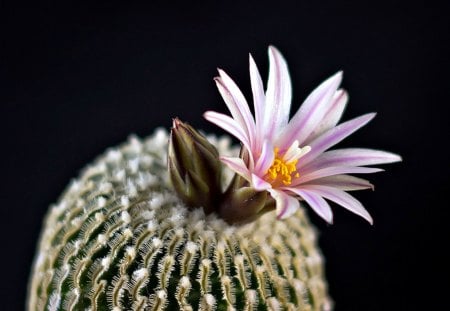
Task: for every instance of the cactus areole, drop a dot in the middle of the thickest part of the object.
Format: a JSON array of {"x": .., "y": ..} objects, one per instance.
[{"x": 180, "y": 221}]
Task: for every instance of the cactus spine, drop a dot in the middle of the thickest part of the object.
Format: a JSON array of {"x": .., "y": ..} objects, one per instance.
[{"x": 119, "y": 239}]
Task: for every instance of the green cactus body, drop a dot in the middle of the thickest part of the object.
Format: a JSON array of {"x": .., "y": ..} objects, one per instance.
[{"x": 120, "y": 239}]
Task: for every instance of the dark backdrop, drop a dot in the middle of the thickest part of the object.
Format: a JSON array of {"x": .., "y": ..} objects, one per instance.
[{"x": 80, "y": 78}]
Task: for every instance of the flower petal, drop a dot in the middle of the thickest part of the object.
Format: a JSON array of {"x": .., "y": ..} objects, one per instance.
[
  {"x": 342, "y": 198},
  {"x": 236, "y": 103},
  {"x": 334, "y": 136},
  {"x": 333, "y": 170},
  {"x": 278, "y": 95},
  {"x": 260, "y": 184},
  {"x": 343, "y": 182},
  {"x": 316, "y": 202},
  {"x": 229, "y": 125},
  {"x": 237, "y": 165},
  {"x": 286, "y": 205},
  {"x": 332, "y": 116},
  {"x": 266, "y": 158},
  {"x": 259, "y": 99},
  {"x": 352, "y": 157},
  {"x": 311, "y": 112}
]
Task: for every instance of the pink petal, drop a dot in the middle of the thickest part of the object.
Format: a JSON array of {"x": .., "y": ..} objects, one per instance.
[
  {"x": 229, "y": 125},
  {"x": 237, "y": 165},
  {"x": 352, "y": 157},
  {"x": 334, "y": 170},
  {"x": 236, "y": 103},
  {"x": 332, "y": 116},
  {"x": 343, "y": 182},
  {"x": 258, "y": 100},
  {"x": 266, "y": 158},
  {"x": 278, "y": 95},
  {"x": 260, "y": 184},
  {"x": 334, "y": 136},
  {"x": 311, "y": 112},
  {"x": 286, "y": 205},
  {"x": 342, "y": 198},
  {"x": 316, "y": 202}
]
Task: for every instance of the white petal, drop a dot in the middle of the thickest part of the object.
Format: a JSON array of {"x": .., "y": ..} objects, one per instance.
[
  {"x": 237, "y": 165},
  {"x": 311, "y": 112},
  {"x": 342, "y": 198},
  {"x": 236, "y": 103},
  {"x": 332, "y": 116},
  {"x": 259, "y": 99},
  {"x": 260, "y": 184},
  {"x": 229, "y": 125},
  {"x": 334, "y": 136},
  {"x": 316, "y": 202},
  {"x": 266, "y": 158},
  {"x": 286, "y": 205},
  {"x": 278, "y": 95},
  {"x": 342, "y": 182},
  {"x": 334, "y": 170},
  {"x": 352, "y": 157}
]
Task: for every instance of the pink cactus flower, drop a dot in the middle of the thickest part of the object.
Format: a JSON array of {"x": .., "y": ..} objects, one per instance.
[{"x": 289, "y": 158}]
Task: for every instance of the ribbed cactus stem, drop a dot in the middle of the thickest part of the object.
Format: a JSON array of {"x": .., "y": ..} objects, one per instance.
[{"x": 120, "y": 239}]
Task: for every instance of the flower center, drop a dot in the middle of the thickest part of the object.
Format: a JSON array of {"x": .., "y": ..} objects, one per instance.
[{"x": 282, "y": 170}]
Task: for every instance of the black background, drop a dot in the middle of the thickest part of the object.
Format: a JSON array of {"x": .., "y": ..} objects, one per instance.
[{"x": 79, "y": 78}]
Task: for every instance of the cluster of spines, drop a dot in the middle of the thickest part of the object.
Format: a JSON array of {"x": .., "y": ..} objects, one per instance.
[{"x": 120, "y": 240}]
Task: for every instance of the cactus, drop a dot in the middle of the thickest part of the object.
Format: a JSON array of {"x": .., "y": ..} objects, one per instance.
[{"x": 120, "y": 239}]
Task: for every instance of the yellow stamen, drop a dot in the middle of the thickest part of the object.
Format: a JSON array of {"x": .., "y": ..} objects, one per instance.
[{"x": 281, "y": 170}]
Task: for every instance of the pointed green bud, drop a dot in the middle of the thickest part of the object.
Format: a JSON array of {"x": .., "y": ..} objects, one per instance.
[{"x": 194, "y": 167}]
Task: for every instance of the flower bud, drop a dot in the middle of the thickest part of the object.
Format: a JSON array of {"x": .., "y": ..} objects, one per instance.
[{"x": 194, "y": 167}]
